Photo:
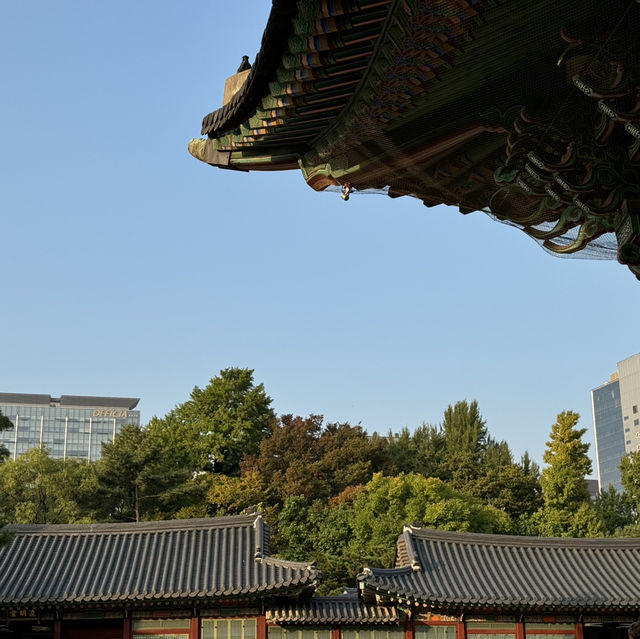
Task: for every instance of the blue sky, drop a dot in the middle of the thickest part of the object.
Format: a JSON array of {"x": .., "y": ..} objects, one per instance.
[{"x": 129, "y": 268}]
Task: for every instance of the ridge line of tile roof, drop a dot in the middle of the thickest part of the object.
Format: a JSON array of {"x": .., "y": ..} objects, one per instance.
[
  {"x": 133, "y": 527},
  {"x": 428, "y": 534}
]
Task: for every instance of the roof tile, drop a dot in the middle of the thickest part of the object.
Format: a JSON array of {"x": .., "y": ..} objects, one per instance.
[{"x": 183, "y": 559}]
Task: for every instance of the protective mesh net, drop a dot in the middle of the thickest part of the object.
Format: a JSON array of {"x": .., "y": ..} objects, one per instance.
[{"x": 572, "y": 156}]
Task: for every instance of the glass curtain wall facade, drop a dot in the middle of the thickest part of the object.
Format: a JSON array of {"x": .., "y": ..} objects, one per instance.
[
  {"x": 68, "y": 426},
  {"x": 609, "y": 435},
  {"x": 616, "y": 420}
]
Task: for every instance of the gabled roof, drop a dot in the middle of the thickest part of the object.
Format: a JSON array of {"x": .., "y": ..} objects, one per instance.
[
  {"x": 343, "y": 609},
  {"x": 460, "y": 572},
  {"x": 164, "y": 561}
]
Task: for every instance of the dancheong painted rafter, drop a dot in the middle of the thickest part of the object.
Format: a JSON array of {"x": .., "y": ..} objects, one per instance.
[{"x": 529, "y": 111}]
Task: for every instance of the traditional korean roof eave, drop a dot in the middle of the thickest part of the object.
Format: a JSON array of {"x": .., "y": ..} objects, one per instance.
[
  {"x": 359, "y": 91},
  {"x": 459, "y": 573},
  {"x": 244, "y": 103},
  {"x": 343, "y": 609},
  {"x": 198, "y": 561}
]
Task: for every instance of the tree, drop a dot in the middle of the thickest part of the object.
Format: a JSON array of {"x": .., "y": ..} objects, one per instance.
[
  {"x": 36, "y": 489},
  {"x": 301, "y": 458},
  {"x": 630, "y": 477},
  {"x": 348, "y": 456},
  {"x": 232, "y": 495},
  {"x": 510, "y": 489},
  {"x": 421, "y": 452},
  {"x": 563, "y": 480},
  {"x": 288, "y": 460},
  {"x": 567, "y": 510},
  {"x": 615, "y": 510},
  {"x": 5, "y": 424},
  {"x": 386, "y": 503},
  {"x": 218, "y": 424},
  {"x": 465, "y": 442},
  {"x": 137, "y": 480}
]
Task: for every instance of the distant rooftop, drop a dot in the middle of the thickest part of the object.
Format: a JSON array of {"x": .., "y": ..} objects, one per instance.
[{"x": 29, "y": 399}]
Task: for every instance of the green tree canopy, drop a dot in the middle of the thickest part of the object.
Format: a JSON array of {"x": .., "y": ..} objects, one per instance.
[
  {"x": 563, "y": 479},
  {"x": 567, "y": 510},
  {"x": 419, "y": 452},
  {"x": 137, "y": 480},
  {"x": 630, "y": 477},
  {"x": 615, "y": 510},
  {"x": 37, "y": 489},
  {"x": 387, "y": 503},
  {"x": 218, "y": 424}
]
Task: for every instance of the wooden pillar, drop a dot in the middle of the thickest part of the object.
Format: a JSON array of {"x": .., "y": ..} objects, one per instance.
[
  {"x": 57, "y": 629},
  {"x": 579, "y": 630},
  {"x": 409, "y": 629},
  {"x": 127, "y": 628},
  {"x": 461, "y": 632},
  {"x": 194, "y": 628},
  {"x": 519, "y": 630},
  {"x": 335, "y": 632},
  {"x": 261, "y": 630}
]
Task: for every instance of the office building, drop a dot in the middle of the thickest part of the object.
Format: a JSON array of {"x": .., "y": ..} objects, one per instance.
[
  {"x": 616, "y": 420},
  {"x": 68, "y": 426}
]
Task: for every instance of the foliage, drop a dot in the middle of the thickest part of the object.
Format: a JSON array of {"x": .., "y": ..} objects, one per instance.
[
  {"x": 630, "y": 477},
  {"x": 420, "y": 452},
  {"x": 5, "y": 424},
  {"x": 387, "y": 503},
  {"x": 510, "y": 489},
  {"x": 362, "y": 524},
  {"x": 36, "y": 489},
  {"x": 563, "y": 480},
  {"x": 302, "y": 459},
  {"x": 615, "y": 510},
  {"x": 232, "y": 495},
  {"x": 137, "y": 480},
  {"x": 562, "y": 522},
  {"x": 567, "y": 510},
  {"x": 218, "y": 424}
]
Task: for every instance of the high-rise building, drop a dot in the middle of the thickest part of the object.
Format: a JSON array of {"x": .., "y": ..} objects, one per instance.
[
  {"x": 68, "y": 426},
  {"x": 616, "y": 420}
]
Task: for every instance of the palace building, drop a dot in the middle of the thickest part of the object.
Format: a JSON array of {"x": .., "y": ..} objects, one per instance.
[
  {"x": 216, "y": 579},
  {"x": 528, "y": 111}
]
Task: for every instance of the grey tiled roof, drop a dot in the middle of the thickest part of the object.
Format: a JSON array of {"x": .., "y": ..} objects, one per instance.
[
  {"x": 110, "y": 564},
  {"x": 342, "y": 609},
  {"x": 466, "y": 571}
]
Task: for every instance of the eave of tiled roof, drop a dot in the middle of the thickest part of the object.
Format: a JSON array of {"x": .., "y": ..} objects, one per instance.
[
  {"x": 194, "y": 560},
  {"x": 472, "y": 572},
  {"x": 312, "y": 58},
  {"x": 329, "y": 610}
]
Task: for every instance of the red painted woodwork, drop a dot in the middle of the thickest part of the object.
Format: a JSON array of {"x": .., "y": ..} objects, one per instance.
[
  {"x": 409, "y": 630},
  {"x": 261, "y": 629},
  {"x": 96, "y": 629}
]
